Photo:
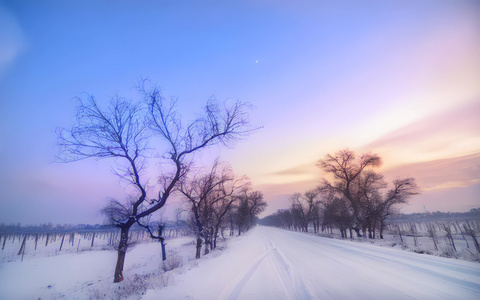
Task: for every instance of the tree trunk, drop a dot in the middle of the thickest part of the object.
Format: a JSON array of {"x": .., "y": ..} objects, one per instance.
[
  {"x": 122, "y": 249},
  {"x": 164, "y": 253},
  {"x": 207, "y": 242},
  {"x": 199, "y": 247},
  {"x": 413, "y": 230},
  {"x": 382, "y": 226},
  {"x": 357, "y": 231},
  {"x": 215, "y": 234}
]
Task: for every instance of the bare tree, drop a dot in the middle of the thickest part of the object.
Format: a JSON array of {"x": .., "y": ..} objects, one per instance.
[
  {"x": 363, "y": 188},
  {"x": 469, "y": 230},
  {"x": 450, "y": 240},
  {"x": 402, "y": 190},
  {"x": 304, "y": 207},
  {"x": 282, "y": 219},
  {"x": 413, "y": 231},
  {"x": 118, "y": 132},
  {"x": 250, "y": 204},
  {"x": 286, "y": 219},
  {"x": 432, "y": 232},
  {"x": 346, "y": 168},
  {"x": 337, "y": 213},
  {"x": 122, "y": 132},
  {"x": 225, "y": 198},
  {"x": 210, "y": 196}
]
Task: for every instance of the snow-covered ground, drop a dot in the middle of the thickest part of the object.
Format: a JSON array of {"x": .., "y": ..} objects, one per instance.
[
  {"x": 266, "y": 263},
  {"x": 464, "y": 245},
  {"x": 271, "y": 263},
  {"x": 87, "y": 274}
]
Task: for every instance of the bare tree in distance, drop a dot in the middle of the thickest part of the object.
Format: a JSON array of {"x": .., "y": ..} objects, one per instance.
[
  {"x": 122, "y": 132},
  {"x": 337, "y": 213},
  {"x": 304, "y": 206},
  {"x": 355, "y": 181},
  {"x": 250, "y": 204},
  {"x": 402, "y": 190},
  {"x": 223, "y": 201},
  {"x": 282, "y": 218}
]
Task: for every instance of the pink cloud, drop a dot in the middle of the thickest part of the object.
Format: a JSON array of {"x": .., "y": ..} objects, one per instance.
[
  {"x": 453, "y": 124},
  {"x": 441, "y": 174}
]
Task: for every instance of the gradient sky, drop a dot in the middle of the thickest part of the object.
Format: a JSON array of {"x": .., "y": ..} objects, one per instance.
[{"x": 398, "y": 78}]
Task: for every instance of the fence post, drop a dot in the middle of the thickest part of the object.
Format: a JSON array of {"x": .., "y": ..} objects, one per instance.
[
  {"x": 4, "y": 241},
  {"x": 23, "y": 245},
  {"x": 61, "y": 244},
  {"x": 36, "y": 241},
  {"x": 93, "y": 239}
]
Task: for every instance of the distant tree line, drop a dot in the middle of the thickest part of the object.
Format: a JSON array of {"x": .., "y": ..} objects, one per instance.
[{"x": 355, "y": 198}]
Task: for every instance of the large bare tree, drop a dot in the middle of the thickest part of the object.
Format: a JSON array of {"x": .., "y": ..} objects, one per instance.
[
  {"x": 356, "y": 181},
  {"x": 123, "y": 130}
]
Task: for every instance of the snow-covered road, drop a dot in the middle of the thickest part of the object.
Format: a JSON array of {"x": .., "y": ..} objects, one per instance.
[{"x": 271, "y": 263}]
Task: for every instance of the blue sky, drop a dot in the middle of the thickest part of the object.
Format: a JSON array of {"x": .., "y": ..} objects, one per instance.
[{"x": 322, "y": 76}]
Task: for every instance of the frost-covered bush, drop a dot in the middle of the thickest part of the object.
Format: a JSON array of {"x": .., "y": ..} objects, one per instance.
[
  {"x": 134, "y": 287},
  {"x": 466, "y": 254},
  {"x": 172, "y": 262},
  {"x": 449, "y": 251},
  {"x": 165, "y": 280}
]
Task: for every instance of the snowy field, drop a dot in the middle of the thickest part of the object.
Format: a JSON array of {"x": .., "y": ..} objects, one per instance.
[
  {"x": 50, "y": 274},
  {"x": 267, "y": 263},
  {"x": 464, "y": 244}
]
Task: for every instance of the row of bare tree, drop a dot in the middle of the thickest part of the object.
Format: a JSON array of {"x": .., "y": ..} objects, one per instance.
[
  {"x": 138, "y": 135},
  {"x": 217, "y": 200},
  {"x": 355, "y": 197}
]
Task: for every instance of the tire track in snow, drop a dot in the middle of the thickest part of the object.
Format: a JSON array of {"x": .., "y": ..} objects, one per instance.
[
  {"x": 233, "y": 290},
  {"x": 291, "y": 284},
  {"x": 290, "y": 279}
]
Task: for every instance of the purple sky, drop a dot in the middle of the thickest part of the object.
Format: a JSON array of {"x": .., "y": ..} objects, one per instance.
[{"x": 398, "y": 78}]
